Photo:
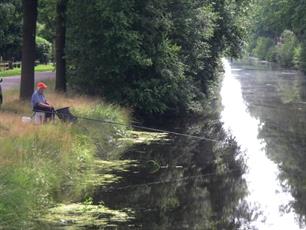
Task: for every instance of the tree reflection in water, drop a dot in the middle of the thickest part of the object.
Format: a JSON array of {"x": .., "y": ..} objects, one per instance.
[
  {"x": 211, "y": 198},
  {"x": 277, "y": 98}
]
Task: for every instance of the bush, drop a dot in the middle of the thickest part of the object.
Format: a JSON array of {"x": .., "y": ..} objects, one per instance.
[
  {"x": 297, "y": 56},
  {"x": 43, "y": 50},
  {"x": 272, "y": 54},
  {"x": 263, "y": 45},
  {"x": 302, "y": 58},
  {"x": 285, "y": 49}
]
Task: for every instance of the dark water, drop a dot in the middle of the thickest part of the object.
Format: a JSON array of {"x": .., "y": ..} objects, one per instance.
[
  {"x": 199, "y": 185},
  {"x": 216, "y": 184}
]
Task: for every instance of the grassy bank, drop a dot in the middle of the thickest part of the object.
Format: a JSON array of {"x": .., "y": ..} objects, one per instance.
[
  {"x": 17, "y": 71},
  {"x": 41, "y": 166}
]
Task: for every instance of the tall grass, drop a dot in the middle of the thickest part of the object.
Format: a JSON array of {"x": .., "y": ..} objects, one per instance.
[{"x": 40, "y": 165}]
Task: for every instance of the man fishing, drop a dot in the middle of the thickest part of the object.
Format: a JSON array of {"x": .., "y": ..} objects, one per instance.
[{"x": 39, "y": 102}]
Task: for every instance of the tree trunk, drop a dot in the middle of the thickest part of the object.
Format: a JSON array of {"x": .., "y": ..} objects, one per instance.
[
  {"x": 60, "y": 84},
  {"x": 28, "y": 48}
]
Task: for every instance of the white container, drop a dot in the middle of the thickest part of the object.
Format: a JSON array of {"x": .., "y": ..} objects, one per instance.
[
  {"x": 39, "y": 118},
  {"x": 26, "y": 120}
]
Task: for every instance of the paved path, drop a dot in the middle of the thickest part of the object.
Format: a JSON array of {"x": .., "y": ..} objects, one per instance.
[{"x": 14, "y": 82}]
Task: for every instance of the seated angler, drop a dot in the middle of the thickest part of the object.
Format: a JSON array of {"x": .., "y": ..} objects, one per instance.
[{"x": 39, "y": 102}]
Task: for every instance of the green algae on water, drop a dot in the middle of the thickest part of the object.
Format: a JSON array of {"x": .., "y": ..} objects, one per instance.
[{"x": 79, "y": 215}]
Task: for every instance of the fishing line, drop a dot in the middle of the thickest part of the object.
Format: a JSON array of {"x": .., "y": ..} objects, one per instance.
[
  {"x": 149, "y": 129},
  {"x": 134, "y": 125},
  {"x": 155, "y": 130},
  {"x": 169, "y": 181}
]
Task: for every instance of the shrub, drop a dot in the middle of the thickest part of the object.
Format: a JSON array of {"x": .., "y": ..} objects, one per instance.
[
  {"x": 297, "y": 56},
  {"x": 272, "y": 54},
  {"x": 285, "y": 49},
  {"x": 43, "y": 50},
  {"x": 263, "y": 44},
  {"x": 302, "y": 60}
]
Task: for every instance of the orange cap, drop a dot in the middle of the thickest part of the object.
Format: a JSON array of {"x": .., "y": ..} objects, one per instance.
[{"x": 41, "y": 85}]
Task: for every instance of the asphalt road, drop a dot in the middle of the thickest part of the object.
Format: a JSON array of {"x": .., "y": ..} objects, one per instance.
[{"x": 14, "y": 81}]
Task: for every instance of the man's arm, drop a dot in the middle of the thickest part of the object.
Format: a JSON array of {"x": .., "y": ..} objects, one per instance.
[
  {"x": 37, "y": 101},
  {"x": 44, "y": 105}
]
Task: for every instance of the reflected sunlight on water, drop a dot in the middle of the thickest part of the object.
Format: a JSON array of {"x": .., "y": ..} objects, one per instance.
[{"x": 265, "y": 191}]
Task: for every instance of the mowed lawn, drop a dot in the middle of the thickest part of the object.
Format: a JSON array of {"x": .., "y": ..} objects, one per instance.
[{"x": 17, "y": 71}]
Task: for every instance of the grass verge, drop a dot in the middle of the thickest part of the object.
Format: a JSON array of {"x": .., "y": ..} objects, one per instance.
[
  {"x": 17, "y": 71},
  {"x": 41, "y": 166}
]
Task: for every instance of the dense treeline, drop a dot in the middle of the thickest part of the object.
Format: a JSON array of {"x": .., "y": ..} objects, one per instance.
[
  {"x": 278, "y": 32},
  {"x": 10, "y": 28},
  {"x": 156, "y": 56},
  {"x": 11, "y": 32}
]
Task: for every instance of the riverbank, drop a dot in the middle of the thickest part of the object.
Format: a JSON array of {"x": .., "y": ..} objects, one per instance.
[
  {"x": 66, "y": 168},
  {"x": 57, "y": 163}
]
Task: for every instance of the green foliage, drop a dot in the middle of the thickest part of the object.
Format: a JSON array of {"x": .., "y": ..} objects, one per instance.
[
  {"x": 17, "y": 71},
  {"x": 47, "y": 164},
  {"x": 46, "y": 19},
  {"x": 11, "y": 26},
  {"x": 302, "y": 54},
  {"x": 10, "y": 29},
  {"x": 297, "y": 58},
  {"x": 272, "y": 54},
  {"x": 44, "y": 165},
  {"x": 268, "y": 17},
  {"x": 154, "y": 56},
  {"x": 284, "y": 52},
  {"x": 263, "y": 46},
  {"x": 282, "y": 21},
  {"x": 286, "y": 48},
  {"x": 43, "y": 50}
]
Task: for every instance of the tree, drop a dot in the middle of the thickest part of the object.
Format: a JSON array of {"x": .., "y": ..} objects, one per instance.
[
  {"x": 272, "y": 19},
  {"x": 156, "y": 56},
  {"x": 28, "y": 48},
  {"x": 10, "y": 29},
  {"x": 47, "y": 19},
  {"x": 61, "y": 6}
]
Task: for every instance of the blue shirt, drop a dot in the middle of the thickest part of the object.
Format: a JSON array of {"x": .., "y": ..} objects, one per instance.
[{"x": 37, "y": 98}]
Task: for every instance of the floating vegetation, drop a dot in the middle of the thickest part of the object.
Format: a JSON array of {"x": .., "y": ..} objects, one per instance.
[
  {"x": 104, "y": 175},
  {"x": 80, "y": 215},
  {"x": 141, "y": 137}
]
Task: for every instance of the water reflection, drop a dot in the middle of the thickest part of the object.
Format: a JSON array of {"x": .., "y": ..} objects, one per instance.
[
  {"x": 268, "y": 119},
  {"x": 206, "y": 192}
]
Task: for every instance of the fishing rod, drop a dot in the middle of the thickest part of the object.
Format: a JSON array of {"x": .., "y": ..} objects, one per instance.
[
  {"x": 133, "y": 124},
  {"x": 149, "y": 129},
  {"x": 155, "y": 130}
]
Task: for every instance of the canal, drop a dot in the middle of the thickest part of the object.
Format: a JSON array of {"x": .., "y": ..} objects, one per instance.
[
  {"x": 264, "y": 108},
  {"x": 252, "y": 175}
]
